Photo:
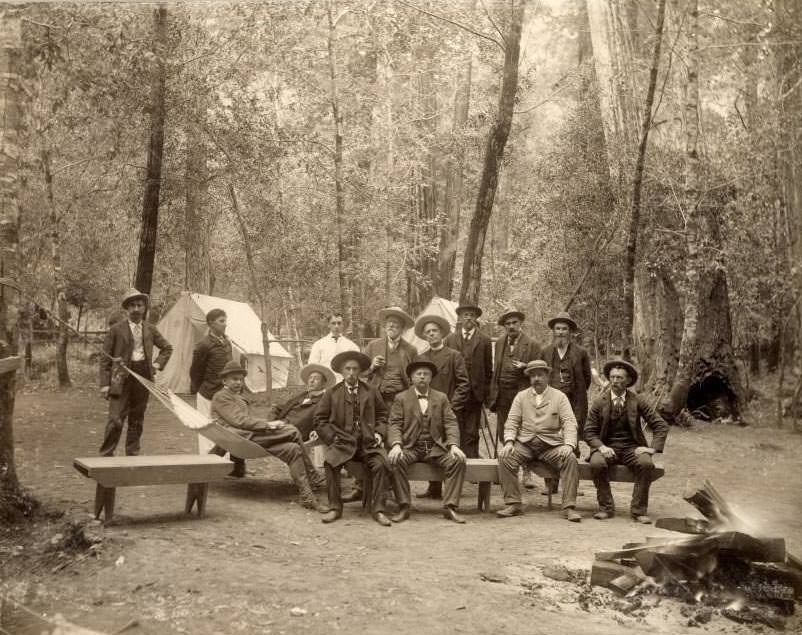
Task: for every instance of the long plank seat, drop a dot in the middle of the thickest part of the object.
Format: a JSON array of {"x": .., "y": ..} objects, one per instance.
[
  {"x": 485, "y": 473},
  {"x": 111, "y": 472}
]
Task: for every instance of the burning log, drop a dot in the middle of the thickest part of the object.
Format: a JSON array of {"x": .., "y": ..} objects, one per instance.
[
  {"x": 713, "y": 507},
  {"x": 684, "y": 525}
]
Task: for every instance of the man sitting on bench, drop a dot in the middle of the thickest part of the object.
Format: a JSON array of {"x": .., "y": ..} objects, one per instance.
[
  {"x": 423, "y": 427},
  {"x": 231, "y": 408},
  {"x": 540, "y": 427},
  {"x": 614, "y": 435}
]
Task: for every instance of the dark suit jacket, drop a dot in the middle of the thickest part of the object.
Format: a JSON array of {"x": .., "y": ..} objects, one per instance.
[
  {"x": 298, "y": 413},
  {"x": 580, "y": 365},
  {"x": 527, "y": 350},
  {"x": 406, "y": 420},
  {"x": 341, "y": 445},
  {"x": 451, "y": 378},
  {"x": 120, "y": 343},
  {"x": 208, "y": 359},
  {"x": 597, "y": 428},
  {"x": 478, "y": 356},
  {"x": 379, "y": 347}
]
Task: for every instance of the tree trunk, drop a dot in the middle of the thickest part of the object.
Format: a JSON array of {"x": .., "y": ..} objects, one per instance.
[
  {"x": 637, "y": 185},
  {"x": 196, "y": 231},
  {"x": 344, "y": 260},
  {"x": 10, "y": 118},
  {"x": 143, "y": 280},
  {"x": 449, "y": 230},
  {"x": 494, "y": 151},
  {"x": 705, "y": 352}
]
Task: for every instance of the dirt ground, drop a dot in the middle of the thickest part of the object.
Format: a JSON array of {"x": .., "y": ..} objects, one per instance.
[{"x": 257, "y": 555}]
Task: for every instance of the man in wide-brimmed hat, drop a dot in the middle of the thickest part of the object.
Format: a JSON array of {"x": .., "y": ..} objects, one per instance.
[
  {"x": 390, "y": 354},
  {"x": 540, "y": 427},
  {"x": 231, "y": 407},
  {"x": 514, "y": 350},
  {"x": 129, "y": 342},
  {"x": 614, "y": 432},
  {"x": 299, "y": 409},
  {"x": 423, "y": 427},
  {"x": 476, "y": 350},
  {"x": 451, "y": 377},
  {"x": 351, "y": 420},
  {"x": 324, "y": 349}
]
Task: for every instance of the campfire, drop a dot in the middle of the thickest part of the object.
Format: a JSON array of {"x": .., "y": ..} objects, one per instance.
[{"x": 721, "y": 565}]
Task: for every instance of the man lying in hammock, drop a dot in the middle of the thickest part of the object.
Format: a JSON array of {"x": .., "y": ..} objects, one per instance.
[{"x": 231, "y": 408}]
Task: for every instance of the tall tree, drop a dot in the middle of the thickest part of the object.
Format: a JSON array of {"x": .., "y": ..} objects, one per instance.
[
  {"x": 143, "y": 279},
  {"x": 198, "y": 276},
  {"x": 494, "y": 151}
]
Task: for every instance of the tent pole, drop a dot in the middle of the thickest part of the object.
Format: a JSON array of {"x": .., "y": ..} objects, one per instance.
[{"x": 268, "y": 364}]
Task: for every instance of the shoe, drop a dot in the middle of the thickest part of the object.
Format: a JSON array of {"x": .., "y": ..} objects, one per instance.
[
  {"x": 449, "y": 513},
  {"x": 572, "y": 515},
  {"x": 434, "y": 495},
  {"x": 642, "y": 519},
  {"x": 510, "y": 510},
  {"x": 355, "y": 495},
  {"x": 237, "y": 472},
  {"x": 602, "y": 515},
  {"x": 402, "y": 515},
  {"x": 380, "y": 518},
  {"x": 331, "y": 516}
]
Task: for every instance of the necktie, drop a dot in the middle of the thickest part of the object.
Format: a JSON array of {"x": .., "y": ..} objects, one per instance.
[
  {"x": 618, "y": 405},
  {"x": 336, "y": 337}
]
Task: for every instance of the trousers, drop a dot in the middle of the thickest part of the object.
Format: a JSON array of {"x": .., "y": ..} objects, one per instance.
[
  {"x": 129, "y": 406},
  {"x": 453, "y": 468},
  {"x": 559, "y": 457},
  {"x": 374, "y": 463},
  {"x": 641, "y": 465}
]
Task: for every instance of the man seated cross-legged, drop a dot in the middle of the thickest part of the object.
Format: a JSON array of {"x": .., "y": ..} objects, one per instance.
[
  {"x": 540, "y": 426},
  {"x": 615, "y": 435},
  {"x": 350, "y": 420},
  {"x": 423, "y": 427},
  {"x": 232, "y": 409}
]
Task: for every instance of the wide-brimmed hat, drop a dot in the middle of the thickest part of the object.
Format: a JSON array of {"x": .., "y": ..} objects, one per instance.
[
  {"x": 341, "y": 358},
  {"x": 327, "y": 373},
  {"x": 536, "y": 364},
  {"x": 398, "y": 312},
  {"x": 505, "y": 316},
  {"x": 621, "y": 363},
  {"x": 421, "y": 363},
  {"x": 232, "y": 368},
  {"x": 133, "y": 294},
  {"x": 468, "y": 307},
  {"x": 423, "y": 320},
  {"x": 564, "y": 317}
]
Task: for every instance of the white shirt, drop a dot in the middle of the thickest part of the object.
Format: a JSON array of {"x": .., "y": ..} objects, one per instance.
[
  {"x": 619, "y": 400},
  {"x": 423, "y": 401},
  {"x": 562, "y": 351},
  {"x": 467, "y": 335},
  {"x": 538, "y": 397},
  {"x": 324, "y": 349},
  {"x": 138, "y": 354}
]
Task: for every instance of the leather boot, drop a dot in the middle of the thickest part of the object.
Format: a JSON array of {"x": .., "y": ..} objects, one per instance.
[
  {"x": 316, "y": 479},
  {"x": 306, "y": 497}
]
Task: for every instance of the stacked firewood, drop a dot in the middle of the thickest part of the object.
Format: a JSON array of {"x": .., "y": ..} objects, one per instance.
[{"x": 720, "y": 562}]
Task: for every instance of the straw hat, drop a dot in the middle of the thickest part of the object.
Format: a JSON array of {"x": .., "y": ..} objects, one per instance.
[
  {"x": 536, "y": 364},
  {"x": 423, "y": 320},
  {"x": 396, "y": 311},
  {"x": 133, "y": 294},
  {"x": 328, "y": 374}
]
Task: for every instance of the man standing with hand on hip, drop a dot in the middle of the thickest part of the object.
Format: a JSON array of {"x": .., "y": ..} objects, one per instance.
[{"x": 129, "y": 342}]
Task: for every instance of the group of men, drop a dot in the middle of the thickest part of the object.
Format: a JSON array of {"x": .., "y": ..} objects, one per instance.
[{"x": 390, "y": 406}]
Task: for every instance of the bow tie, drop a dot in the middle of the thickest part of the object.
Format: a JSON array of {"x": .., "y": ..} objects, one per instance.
[
  {"x": 335, "y": 337},
  {"x": 426, "y": 396}
]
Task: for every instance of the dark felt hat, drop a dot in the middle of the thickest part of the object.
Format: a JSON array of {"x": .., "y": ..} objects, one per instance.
[
  {"x": 506, "y": 316},
  {"x": 133, "y": 294},
  {"x": 468, "y": 307},
  {"x": 423, "y": 320},
  {"x": 621, "y": 363},
  {"x": 536, "y": 364},
  {"x": 345, "y": 356},
  {"x": 421, "y": 363},
  {"x": 327, "y": 373},
  {"x": 396, "y": 311},
  {"x": 232, "y": 368},
  {"x": 565, "y": 318}
]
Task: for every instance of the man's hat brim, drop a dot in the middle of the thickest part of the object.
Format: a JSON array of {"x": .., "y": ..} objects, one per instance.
[
  {"x": 232, "y": 368},
  {"x": 506, "y": 316},
  {"x": 395, "y": 311},
  {"x": 536, "y": 365},
  {"x": 423, "y": 320},
  {"x": 327, "y": 373},
  {"x": 340, "y": 359},
  {"x": 132, "y": 295},
  {"x": 468, "y": 307},
  {"x": 421, "y": 363},
  {"x": 565, "y": 319},
  {"x": 621, "y": 363}
]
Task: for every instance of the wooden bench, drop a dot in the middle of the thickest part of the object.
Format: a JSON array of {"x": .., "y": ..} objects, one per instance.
[
  {"x": 618, "y": 474},
  {"x": 111, "y": 472},
  {"x": 482, "y": 471}
]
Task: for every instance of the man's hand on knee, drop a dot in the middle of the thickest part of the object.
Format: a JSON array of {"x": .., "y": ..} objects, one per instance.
[
  {"x": 395, "y": 454},
  {"x": 565, "y": 451},
  {"x": 456, "y": 454},
  {"x": 507, "y": 451}
]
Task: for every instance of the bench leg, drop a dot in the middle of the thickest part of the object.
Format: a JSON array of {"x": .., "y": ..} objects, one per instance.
[
  {"x": 483, "y": 502},
  {"x": 196, "y": 493},
  {"x": 104, "y": 502}
]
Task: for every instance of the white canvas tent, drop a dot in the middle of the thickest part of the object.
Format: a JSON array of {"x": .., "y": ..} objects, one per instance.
[
  {"x": 184, "y": 325},
  {"x": 438, "y": 306}
]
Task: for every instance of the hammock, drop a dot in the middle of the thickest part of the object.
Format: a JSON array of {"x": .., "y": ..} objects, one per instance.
[{"x": 227, "y": 439}]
